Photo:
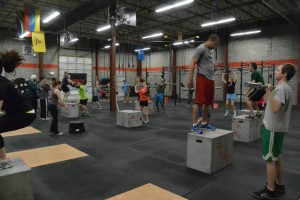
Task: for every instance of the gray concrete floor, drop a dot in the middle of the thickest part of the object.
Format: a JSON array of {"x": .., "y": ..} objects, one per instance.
[{"x": 121, "y": 159}]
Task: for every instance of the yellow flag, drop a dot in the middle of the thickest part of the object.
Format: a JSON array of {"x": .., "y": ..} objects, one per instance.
[{"x": 38, "y": 42}]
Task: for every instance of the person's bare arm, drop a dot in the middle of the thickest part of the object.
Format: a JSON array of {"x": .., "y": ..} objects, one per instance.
[
  {"x": 235, "y": 77},
  {"x": 61, "y": 102},
  {"x": 191, "y": 74},
  {"x": 223, "y": 78}
]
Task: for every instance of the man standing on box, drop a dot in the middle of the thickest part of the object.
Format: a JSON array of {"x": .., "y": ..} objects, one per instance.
[
  {"x": 205, "y": 84},
  {"x": 64, "y": 87},
  {"x": 255, "y": 94},
  {"x": 275, "y": 126}
]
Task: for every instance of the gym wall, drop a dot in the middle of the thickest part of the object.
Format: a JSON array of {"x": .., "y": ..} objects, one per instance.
[{"x": 275, "y": 45}]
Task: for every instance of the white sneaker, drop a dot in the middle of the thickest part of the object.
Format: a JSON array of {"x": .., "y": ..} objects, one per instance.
[
  {"x": 226, "y": 114},
  {"x": 60, "y": 133}
]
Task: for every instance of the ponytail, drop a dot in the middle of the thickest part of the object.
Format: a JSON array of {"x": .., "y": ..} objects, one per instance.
[{"x": 10, "y": 60}]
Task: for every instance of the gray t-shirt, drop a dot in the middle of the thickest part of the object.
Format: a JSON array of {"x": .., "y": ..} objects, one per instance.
[
  {"x": 279, "y": 122},
  {"x": 205, "y": 57}
]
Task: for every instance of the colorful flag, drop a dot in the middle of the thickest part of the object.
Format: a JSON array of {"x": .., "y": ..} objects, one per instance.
[
  {"x": 32, "y": 18},
  {"x": 38, "y": 42}
]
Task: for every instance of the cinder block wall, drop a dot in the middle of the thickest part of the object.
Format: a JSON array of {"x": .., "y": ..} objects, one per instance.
[{"x": 275, "y": 45}]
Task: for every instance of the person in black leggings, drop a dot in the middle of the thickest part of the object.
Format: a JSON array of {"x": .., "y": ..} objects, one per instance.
[
  {"x": 18, "y": 112},
  {"x": 54, "y": 99}
]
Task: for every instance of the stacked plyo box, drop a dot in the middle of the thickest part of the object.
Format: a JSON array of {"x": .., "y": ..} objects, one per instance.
[
  {"x": 150, "y": 106},
  {"x": 210, "y": 151},
  {"x": 71, "y": 112},
  {"x": 246, "y": 129},
  {"x": 129, "y": 118}
]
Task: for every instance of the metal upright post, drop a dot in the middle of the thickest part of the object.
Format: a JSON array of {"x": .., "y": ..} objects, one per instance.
[{"x": 241, "y": 86}]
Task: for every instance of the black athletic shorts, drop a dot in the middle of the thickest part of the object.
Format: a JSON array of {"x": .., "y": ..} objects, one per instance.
[
  {"x": 65, "y": 88},
  {"x": 83, "y": 101},
  {"x": 143, "y": 103},
  {"x": 257, "y": 94}
]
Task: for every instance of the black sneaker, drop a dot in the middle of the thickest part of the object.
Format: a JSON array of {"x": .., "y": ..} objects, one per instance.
[
  {"x": 265, "y": 194},
  {"x": 279, "y": 189}
]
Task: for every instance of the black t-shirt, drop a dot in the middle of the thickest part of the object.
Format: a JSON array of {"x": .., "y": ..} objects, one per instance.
[
  {"x": 231, "y": 87},
  {"x": 64, "y": 81},
  {"x": 13, "y": 101}
]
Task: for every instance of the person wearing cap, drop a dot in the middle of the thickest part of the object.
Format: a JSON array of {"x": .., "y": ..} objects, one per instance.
[{"x": 33, "y": 91}]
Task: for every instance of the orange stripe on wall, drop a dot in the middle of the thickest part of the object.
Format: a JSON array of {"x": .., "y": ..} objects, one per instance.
[
  {"x": 266, "y": 63},
  {"x": 30, "y": 65}
]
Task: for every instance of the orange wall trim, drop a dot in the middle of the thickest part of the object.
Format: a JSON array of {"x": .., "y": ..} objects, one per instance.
[
  {"x": 266, "y": 63},
  {"x": 30, "y": 65}
]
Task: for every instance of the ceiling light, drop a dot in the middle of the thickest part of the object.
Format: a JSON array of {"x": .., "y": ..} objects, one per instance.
[
  {"x": 103, "y": 28},
  {"x": 151, "y": 36},
  {"x": 192, "y": 41},
  {"x": 74, "y": 40},
  {"x": 177, "y": 43},
  {"x": 108, "y": 46},
  {"x": 218, "y": 22},
  {"x": 24, "y": 34},
  {"x": 197, "y": 36},
  {"x": 51, "y": 16},
  {"x": 245, "y": 33},
  {"x": 144, "y": 49},
  {"x": 174, "y": 5},
  {"x": 186, "y": 42}
]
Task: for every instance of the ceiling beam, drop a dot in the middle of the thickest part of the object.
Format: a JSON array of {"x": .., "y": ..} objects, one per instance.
[{"x": 79, "y": 14}]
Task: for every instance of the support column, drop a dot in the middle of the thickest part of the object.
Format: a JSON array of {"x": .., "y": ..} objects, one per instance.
[
  {"x": 41, "y": 63},
  {"x": 298, "y": 70},
  {"x": 139, "y": 69},
  {"x": 112, "y": 14}
]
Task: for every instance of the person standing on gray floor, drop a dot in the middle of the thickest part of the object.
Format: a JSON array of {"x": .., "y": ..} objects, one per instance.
[
  {"x": 44, "y": 94},
  {"x": 54, "y": 100},
  {"x": 275, "y": 126},
  {"x": 33, "y": 91},
  {"x": 159, "y": 97}
]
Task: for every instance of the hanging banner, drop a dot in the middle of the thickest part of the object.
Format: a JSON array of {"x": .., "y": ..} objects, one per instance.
[
  {"x": 32, "y": 18},
  {"x": 38, "y": 42}
]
